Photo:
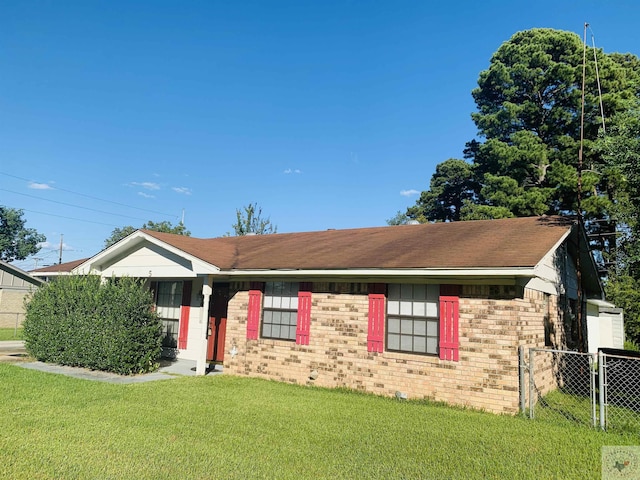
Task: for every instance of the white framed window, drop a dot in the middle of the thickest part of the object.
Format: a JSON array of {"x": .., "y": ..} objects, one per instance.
[
  {"x": 412, "y": 318},
  {"x": 280, "y": 310},
  {"x": 168, "y": 302}
]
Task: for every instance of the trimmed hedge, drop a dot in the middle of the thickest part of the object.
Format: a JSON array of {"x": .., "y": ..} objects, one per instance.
[{"x": 79, "y": 321}]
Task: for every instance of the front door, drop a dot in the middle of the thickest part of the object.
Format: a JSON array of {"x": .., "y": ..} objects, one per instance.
[{"x": 217, "y": 322}]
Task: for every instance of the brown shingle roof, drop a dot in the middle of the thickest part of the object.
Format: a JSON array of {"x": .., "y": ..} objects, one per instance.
[
  {"x": 60, "y": 267},
  {"x": 514, "y": 242}
]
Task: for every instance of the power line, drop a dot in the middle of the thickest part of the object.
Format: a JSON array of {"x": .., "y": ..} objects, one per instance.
[
  {"x": 92, "y": 197},
  {"x": 42, "y": 255},
  {"x": 65, "y": 217},
  {"x": 71, "y": 205}
]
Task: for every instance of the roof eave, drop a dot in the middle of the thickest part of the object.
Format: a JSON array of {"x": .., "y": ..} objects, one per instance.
[{"x": 511, "y": 272}]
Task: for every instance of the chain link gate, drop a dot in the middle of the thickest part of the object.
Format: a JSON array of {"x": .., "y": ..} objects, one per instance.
[
  {"x": 562, "y": 386},
  {"x": 620, "y": 391},
  {"x": 598, "y": 390}
]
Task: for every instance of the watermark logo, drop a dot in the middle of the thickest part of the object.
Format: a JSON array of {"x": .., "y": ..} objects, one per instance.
[{"x": 620, "y": 462}]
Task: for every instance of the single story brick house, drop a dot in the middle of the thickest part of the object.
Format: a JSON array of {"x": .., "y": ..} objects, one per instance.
[{"x": 434, "y": 311}]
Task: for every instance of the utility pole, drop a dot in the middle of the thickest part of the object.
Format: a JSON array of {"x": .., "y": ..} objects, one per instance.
[{"x": 60, "y": 257}]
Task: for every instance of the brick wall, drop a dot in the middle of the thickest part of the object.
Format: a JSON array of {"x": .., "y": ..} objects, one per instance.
[
  {"x": 494, "y": 321},
  {"x": 547, "y": 370}
]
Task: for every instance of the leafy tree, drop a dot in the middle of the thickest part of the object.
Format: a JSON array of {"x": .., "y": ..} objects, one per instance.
[
  {"x": 16, "y": 241},
  {"x": 400, "y": 218},
  {"x": 250, "y": 221},
  {"x": 118, "y": 234},
  {"x": 620, "y": 149},
  {"x": 624, "y": 292},
  {"x": 165, "y": 227}
]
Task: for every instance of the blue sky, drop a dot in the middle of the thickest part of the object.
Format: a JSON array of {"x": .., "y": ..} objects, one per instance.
[{"x": 328, "y": 114}]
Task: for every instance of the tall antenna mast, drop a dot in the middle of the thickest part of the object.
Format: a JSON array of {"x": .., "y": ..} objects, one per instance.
[{"x": 579, "y": 197}]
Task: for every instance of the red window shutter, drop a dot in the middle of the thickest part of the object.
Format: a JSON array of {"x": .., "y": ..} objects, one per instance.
[
  {"x": 253, "y": 311},
  {"x": 375, "y": 335},
  {"x": 185, "y": 309},
  {"x": 304, "y": 314},
  {"x": 449, "y": 314}
]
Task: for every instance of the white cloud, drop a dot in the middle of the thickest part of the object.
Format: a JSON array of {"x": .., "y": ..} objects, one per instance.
[
  {"x": 289, "y": 171},
  {"x": 40, "y": 186},
  {"x": 146, "y": 195},
  {"x": 183, "y": 190},
  {"x": 146, "y": 185},
  {"x": 55, "y": 246},
  {"x": 409, "y": 193}
]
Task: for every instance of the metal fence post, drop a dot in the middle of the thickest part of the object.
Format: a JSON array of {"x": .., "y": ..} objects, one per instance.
[
  {"x": 601, "y": 389},
  {"x": 592, "y": 387},
  {"x": 522, "y": 368},
  {"x": 532, "y": 385}
]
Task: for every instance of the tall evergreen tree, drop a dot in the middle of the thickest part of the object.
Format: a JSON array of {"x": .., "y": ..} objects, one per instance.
[
  {"x": 525, "y": 161},
  {"x": 451, "y": 188}
]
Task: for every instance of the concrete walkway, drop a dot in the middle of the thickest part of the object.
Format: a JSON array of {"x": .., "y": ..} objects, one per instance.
[{"x": 14, "y": 351}]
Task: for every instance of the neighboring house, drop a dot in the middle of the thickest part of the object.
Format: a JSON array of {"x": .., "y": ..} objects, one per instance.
[
  {"x": 52, "y": 271},
  {"x": 605, "y": 326},
  {"x": 15, "y": 285},
  {"x": 432, "y": 311}
]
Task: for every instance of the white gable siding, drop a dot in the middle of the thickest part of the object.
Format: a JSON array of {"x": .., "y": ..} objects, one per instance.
[
  {"x": 547, "y": 277},
  {"x": 556, "y": 274},
  {"x": 150, "y": 261}
]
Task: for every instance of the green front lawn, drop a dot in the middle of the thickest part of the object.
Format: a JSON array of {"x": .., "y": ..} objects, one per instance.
[
  {"x": 10, "y": 334},
  {"x": 228, "y": 427}
]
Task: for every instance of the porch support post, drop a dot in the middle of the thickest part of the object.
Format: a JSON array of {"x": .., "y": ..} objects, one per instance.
[{"x": 207, "y": 289}]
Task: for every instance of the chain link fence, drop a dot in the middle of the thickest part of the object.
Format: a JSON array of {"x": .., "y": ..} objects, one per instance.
[
  {"x": 593, "y": 389},
  {"x": 11, "y": 320}
]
